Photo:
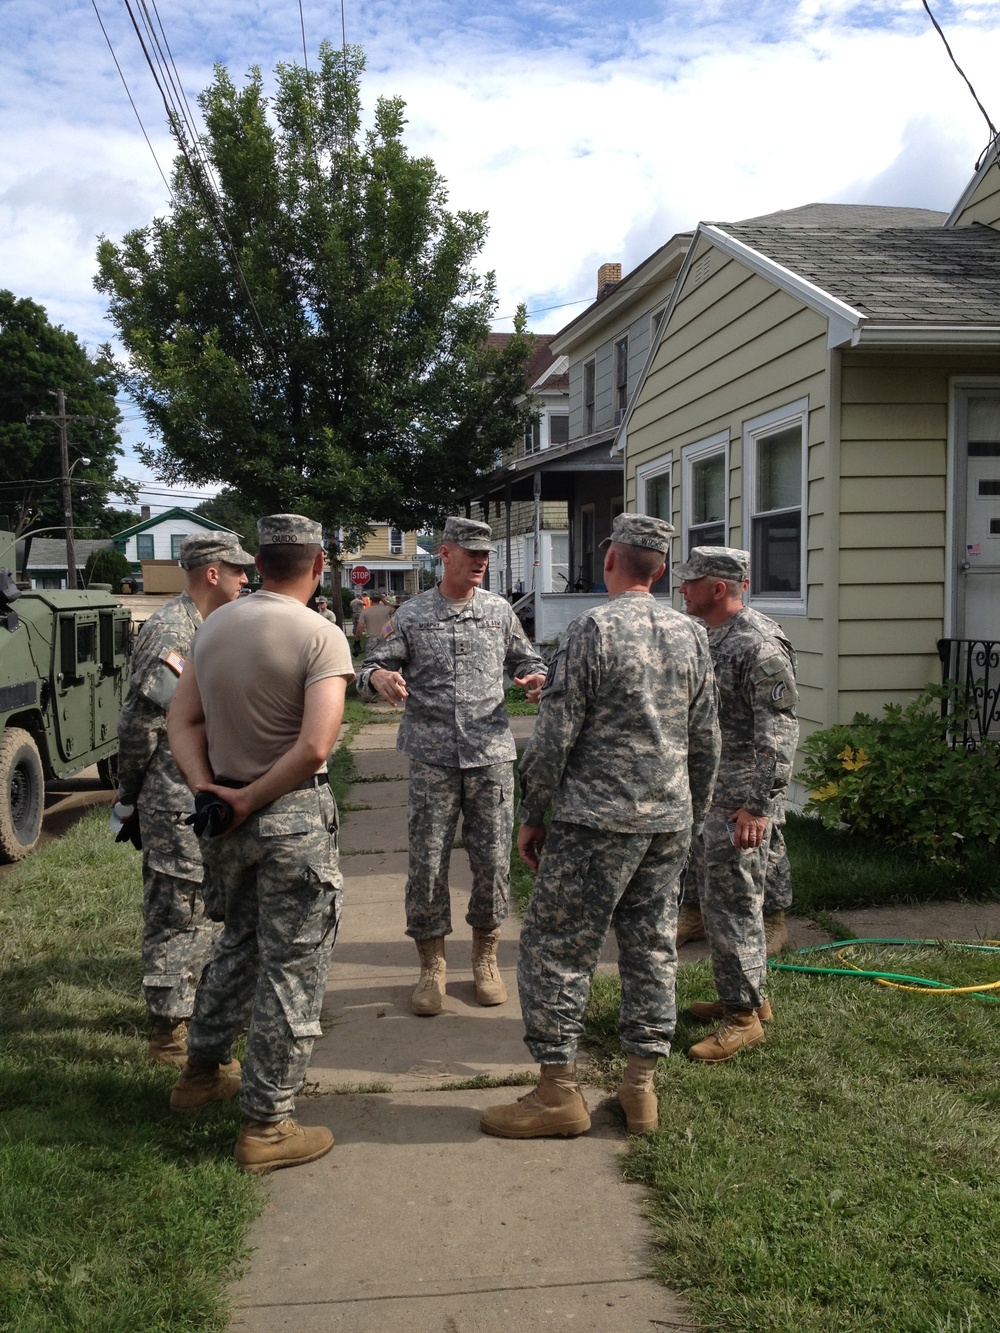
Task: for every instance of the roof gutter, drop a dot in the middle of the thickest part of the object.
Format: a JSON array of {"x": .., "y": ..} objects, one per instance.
[{"x": 928, "y": 336}]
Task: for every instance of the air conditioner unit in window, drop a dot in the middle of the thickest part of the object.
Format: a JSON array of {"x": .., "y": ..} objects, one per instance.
[{"x": 619, "y": 416}]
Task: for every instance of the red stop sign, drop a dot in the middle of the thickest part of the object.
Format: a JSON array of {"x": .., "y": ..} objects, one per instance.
[{"x": 360, "y": 575}]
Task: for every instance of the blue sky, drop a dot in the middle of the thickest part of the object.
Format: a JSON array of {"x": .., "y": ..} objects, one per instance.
[{"x": 589, "y": 131}]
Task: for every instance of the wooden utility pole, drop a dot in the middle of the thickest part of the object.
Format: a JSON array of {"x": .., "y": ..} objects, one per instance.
[{"x": 62, "y": 420}]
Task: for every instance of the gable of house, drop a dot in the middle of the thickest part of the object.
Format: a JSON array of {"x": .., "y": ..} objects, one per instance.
[
  {"x": 980, "y": 201},
  {"x": 853, "y": 336}
]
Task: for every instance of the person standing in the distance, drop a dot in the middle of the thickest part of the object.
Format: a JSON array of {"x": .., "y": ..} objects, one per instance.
[
  {"x": 624, "y": 751},
  {"x": 755, "y": 671},
  {"x": 323, "y": 609},
  {"x": 253, "y": 725},
  {"x": 374, "y": 618},
  {"x": 445, "y": 653},
  {"x": 177, "y": 935}
]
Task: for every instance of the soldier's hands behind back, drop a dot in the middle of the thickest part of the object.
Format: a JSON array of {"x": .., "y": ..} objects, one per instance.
[{"x": 211, "y": 815}]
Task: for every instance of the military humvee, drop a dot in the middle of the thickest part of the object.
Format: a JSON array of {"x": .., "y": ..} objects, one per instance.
[{"x": 64, "y": 663}]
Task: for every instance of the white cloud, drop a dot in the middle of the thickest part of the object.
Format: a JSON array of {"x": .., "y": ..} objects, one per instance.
[{"x": 588, "y": 135}]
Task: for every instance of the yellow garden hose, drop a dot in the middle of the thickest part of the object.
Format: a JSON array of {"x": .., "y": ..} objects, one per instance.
[{"x": 897, "y": 980}]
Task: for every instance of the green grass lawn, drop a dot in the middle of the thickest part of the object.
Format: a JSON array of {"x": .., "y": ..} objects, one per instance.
[
  {"x": 114, "y": 1215},
  {"x": 843, "y": 1175}
]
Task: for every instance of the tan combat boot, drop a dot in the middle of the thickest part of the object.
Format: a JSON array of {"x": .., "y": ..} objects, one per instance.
[
  {"x": 714, "y": 1011},
  {"x": 485, "y": 969},
  {"x": 429, "y": 994},
  {"x": 740, "y": 1030},
  {"x": 555, "y": 1107},
  {"x": 689, "y": 924},
  {"x": 168, "y": 1044},
  {"x": 775, "y": 932},
  {"x": 267, "y": 1146},
  {"x": 201, "y": 1085},
  {"x": 636, "y": 1096}
]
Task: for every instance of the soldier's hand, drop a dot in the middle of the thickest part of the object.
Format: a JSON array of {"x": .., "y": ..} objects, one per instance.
[
  {"x": 750, "y": 829},
  {"x": 530, "y": 841},
  {"x": 390, "y": 685},
  {"x": 532, "y": 685}
]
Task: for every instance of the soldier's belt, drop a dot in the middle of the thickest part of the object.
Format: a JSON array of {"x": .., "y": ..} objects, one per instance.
[{"x": 317, "y": 780}]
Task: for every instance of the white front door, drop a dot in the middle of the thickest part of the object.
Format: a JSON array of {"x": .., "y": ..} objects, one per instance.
[{"x": 978, "y": 457}]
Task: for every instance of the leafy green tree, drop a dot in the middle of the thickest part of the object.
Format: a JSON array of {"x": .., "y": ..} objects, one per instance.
[
  {"x": 229, "y": 509},
  {"x": 106, "y": 567},
  {"x": 314, "y": 333},
  {"x": 37, "y": 358},
  {"x": 110, "y": 522}
]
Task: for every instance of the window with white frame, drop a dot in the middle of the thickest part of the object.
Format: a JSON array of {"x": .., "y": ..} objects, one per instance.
[
  {"x": 558, "y": 428},
  {"x": 533, "y": 435},
  {"x": 654, "y": 496},
  {"x": 395, "y": 541},
  {"x": 774, "y": 460},
  {"x": 589, "y": 396},
  {"x": 705, "y": 494}
]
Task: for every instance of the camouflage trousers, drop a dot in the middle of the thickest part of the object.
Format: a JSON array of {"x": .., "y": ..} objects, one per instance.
[
  {"x": 591, "y": 881},
  {"x": 437, "y": 796},
  {"x": 177, "y": 936},
  {"x": 279, "y": 877},
  {"x": 777, "y": 874},
  {"x": 730, "y": 886}
]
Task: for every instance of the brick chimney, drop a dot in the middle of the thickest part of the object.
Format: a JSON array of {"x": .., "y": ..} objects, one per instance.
[
  {"x": 143, "y": 513},
  {"x": 608, "y": 278}
]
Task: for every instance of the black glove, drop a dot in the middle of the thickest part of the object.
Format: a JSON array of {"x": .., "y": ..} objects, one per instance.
[
  {"x": 211, "y": 816},
  {"x": 130, "y": 831}
]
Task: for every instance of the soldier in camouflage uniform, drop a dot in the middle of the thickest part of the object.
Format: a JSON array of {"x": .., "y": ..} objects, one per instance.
[
  {"x": 755, "y": 672},
  {"x": 177, "y": 935},
  {"x": 777, "y": 893},
  {"x": 445, "y": 653},
  {"x": 252, "y": 725},
  {"x": 625, "y": 751}
]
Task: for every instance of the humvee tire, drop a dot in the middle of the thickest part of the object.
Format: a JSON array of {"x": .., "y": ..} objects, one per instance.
[{"x": 22, "y": 794}]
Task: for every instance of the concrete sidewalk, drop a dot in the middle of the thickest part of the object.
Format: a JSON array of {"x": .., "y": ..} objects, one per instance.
[{"x": 417, "y": 1221}]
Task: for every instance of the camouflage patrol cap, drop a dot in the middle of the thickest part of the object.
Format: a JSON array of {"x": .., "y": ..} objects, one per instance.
[
  {"x": 468, "y": 534},
  {"x": 212, "y": 548},
  {"x": 653, "y": 534},
  {"x": 288, "y": 530},
  {"x": 715, "y": 562}
]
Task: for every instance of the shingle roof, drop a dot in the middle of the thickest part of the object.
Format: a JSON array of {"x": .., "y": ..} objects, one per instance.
[
  {"x": 50, "y": 552},
  {"x": 891, "y": 274},
  {"x": 849, "y": 215}
]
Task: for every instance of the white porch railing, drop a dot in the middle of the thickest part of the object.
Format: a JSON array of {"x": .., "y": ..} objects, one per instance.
[{"x": 555, "y": 610}]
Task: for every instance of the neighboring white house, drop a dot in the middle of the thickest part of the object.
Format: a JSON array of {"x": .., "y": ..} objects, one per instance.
[{"x": 160, "y": 538}]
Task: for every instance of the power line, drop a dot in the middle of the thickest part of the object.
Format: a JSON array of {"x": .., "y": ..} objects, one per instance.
[
  {"x": 128, "y": 94},
  {"x": 992, "y": 127}
]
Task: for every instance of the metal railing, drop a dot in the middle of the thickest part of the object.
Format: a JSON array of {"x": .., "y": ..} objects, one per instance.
[{"x": 973, "y": 665}]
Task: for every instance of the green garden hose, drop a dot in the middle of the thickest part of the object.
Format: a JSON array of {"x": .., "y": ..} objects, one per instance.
[{"x": 897, "y": 981}]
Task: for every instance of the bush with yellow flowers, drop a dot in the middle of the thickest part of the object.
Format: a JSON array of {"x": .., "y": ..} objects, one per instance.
[{"x": 899, "y": 778}]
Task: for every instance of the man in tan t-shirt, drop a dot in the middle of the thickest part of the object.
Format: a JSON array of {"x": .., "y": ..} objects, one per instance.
[
  {"x": 252, "y": 724},
  {"x": 373, "y": 620}
]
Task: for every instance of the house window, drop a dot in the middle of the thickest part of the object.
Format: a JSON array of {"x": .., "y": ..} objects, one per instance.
[
  {"x": 655, "y": 320},
  {"x": 589, "y": 396},
  {"x": 558, "y": 428},
  {"x": 621, "y": 377},
  {"x": 395, "y": 541},
  {"x": 653, "y": 489},
  {"x": 774, "y": 451},
  {"x": 705, "y": 492},
  {"x": 144, "y": 546},
  {"x": 175, "y": 545},
  {"x": 533, "y": 435}
]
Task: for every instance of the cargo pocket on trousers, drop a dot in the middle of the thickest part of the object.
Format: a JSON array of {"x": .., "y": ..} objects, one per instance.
[{"x": 305, "y": 983}]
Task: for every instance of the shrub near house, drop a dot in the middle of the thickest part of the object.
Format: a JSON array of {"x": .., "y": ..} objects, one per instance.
[{"x": 899, "y": 779}]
